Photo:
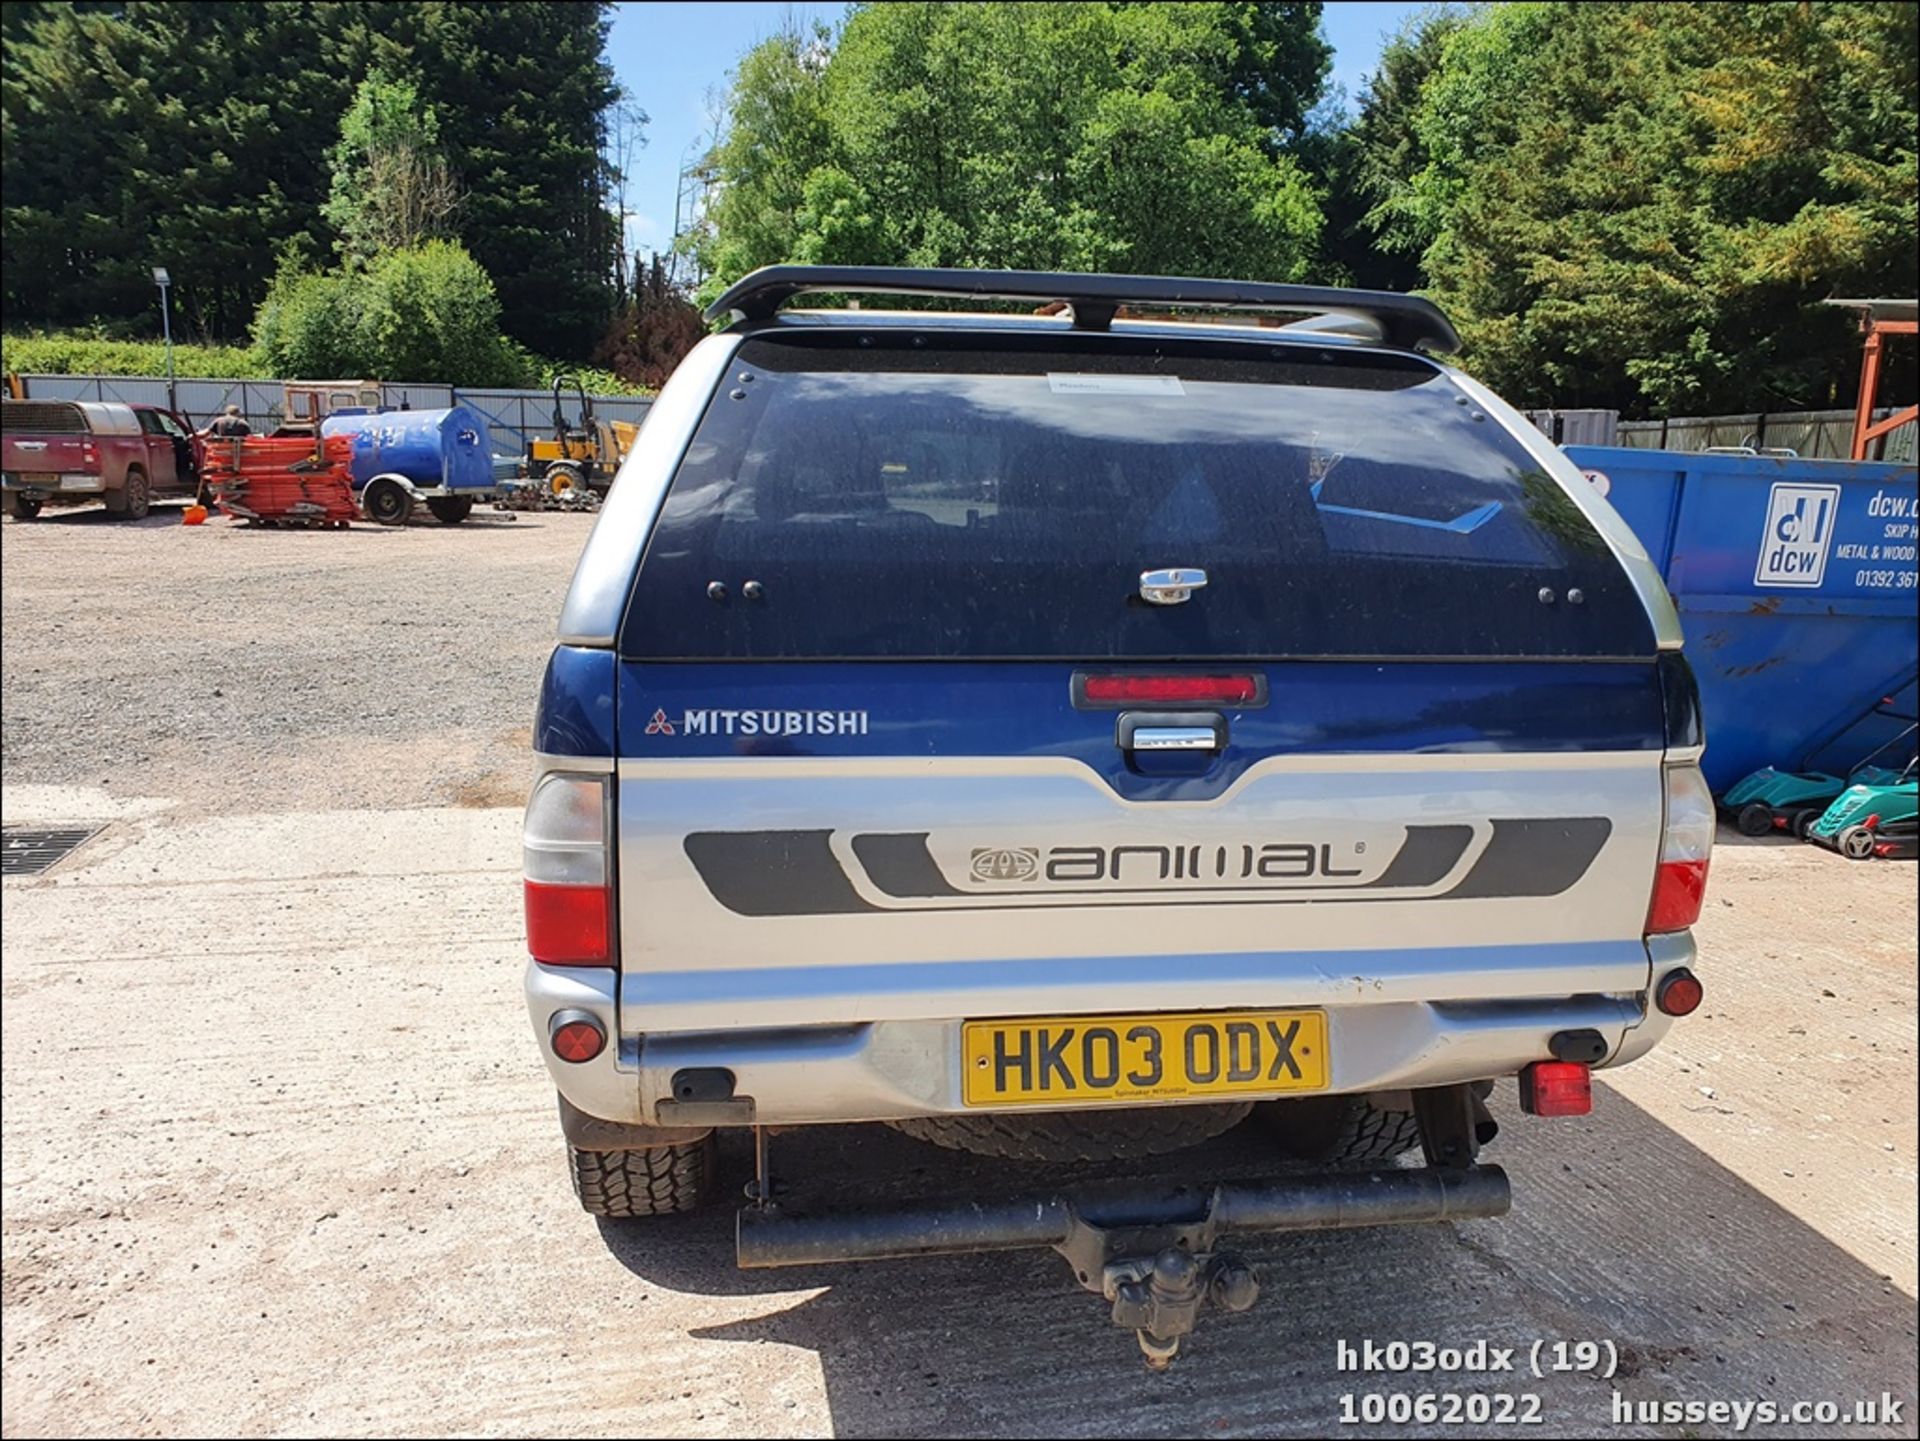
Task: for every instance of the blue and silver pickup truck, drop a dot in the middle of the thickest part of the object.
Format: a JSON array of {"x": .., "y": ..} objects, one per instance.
[{"x": 1072, "y": 735}]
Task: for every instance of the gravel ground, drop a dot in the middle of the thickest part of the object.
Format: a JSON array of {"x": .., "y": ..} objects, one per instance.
[{"x": 245, "y": 669}]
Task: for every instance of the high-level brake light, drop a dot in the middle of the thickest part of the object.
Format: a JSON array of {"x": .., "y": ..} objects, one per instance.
[
  {"x": 1686, "y": 848},
  {"x": 564, "y": 858},
  {"x": 1171, "y": 689}
]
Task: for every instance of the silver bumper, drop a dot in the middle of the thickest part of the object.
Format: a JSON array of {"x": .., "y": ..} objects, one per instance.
[
  {"x": 66, "y": 483},
  {"x": 892, "y": 1069}
]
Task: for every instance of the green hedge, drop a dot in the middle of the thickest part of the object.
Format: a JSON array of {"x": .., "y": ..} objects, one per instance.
[
  {"x": 87, "y": 355},
  {"x": 67, "y": 354}
]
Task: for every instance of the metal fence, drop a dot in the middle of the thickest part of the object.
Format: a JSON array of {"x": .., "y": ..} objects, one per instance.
[
  {"x": 516, "y": 416},
  {"x": 1815, "y": 434},
  {"x": 1577, "y": 427},
  {"x": 513, "y": 416}
]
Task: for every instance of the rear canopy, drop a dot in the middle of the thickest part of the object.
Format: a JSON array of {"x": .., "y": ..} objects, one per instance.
[{"x": 964, "y": 495}]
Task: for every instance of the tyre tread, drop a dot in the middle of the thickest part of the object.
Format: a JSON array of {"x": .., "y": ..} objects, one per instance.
[{"x": 657, "y": 1181}]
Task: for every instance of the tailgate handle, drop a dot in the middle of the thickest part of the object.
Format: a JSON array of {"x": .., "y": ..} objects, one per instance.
[
  {"x": 1174, "y": 738},
  {"x": 1179, "y": 731}
]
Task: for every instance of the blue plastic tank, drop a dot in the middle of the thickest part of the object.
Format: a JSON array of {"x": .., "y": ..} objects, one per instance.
[
  {"x": 1797, "y": 587},
  {"x": 431, "y": 448}
]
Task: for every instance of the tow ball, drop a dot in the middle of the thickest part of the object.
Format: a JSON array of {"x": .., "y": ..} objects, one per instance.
[
  {"x": 1160, "y": 1298},
  {"x": 1152, "y": 1251}
]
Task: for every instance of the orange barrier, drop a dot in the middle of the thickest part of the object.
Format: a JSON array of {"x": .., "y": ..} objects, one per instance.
[{"x": 280, "y": 480}]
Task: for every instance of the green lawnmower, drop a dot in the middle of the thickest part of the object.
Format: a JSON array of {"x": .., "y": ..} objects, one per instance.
[
  {"x": 1791, "y": 801},
  {"x": 1874, "y": 820}
]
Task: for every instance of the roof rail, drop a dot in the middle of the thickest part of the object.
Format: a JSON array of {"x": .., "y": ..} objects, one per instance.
[{"x": 1405, "y": 321}]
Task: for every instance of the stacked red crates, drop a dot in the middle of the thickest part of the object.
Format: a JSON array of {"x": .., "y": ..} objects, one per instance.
[{"x": 281, "y": 480}]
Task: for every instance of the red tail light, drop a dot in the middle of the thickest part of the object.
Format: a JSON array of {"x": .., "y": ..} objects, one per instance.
[
  {"x": 567, "y": 925},
  {"x": 1556, "y": 1088},
  {"x": 1678, "y": 891},
  {"x": 1170, "y": 689},
  {"x": 1686, "y": 849},
  {"x": 564, "y": 850}
]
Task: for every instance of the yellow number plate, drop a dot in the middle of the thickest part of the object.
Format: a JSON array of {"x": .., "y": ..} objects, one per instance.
[{"x": 1076, "y": 1059}]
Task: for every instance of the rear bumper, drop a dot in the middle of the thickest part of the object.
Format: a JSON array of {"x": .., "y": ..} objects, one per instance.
[
  {"x": 68, "y": 483},
  {"x": 889, "y": 1069}
]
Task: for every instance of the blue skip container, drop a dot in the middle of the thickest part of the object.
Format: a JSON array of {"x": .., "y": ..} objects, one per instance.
[
  {"x": 439, "y": 452},
  {"x": 1797, "y": 585}
]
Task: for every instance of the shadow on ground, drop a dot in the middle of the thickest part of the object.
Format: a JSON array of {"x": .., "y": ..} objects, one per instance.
[{"x": 1622, "y": 1232}]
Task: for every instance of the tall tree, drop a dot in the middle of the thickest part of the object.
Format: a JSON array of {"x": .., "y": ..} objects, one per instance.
[
  {"x": 1645, "y": 206},
  {"x": 196, "y": 136},
  {"x": 392, "y": 188},
  {"x": 1095, "y": 136}
]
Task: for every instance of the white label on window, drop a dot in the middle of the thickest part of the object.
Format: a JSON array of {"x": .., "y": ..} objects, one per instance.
[
  {"x": 1799, "y": 533},
  {"x": 1115, "y": 384}
]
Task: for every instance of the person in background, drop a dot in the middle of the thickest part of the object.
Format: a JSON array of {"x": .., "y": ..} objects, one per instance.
[{"x": 228, "y": 425}]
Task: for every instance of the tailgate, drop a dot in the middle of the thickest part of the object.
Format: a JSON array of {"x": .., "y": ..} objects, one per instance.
[
  {"x": 890, "y": 843},
  {"x": 48, "y": 455},
  {"x": 963, "y": 678}
]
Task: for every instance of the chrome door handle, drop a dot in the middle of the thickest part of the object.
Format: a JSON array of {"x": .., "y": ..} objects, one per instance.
[
  {"x": 1170, "y": 586},
  {"x": 1174, "y": 738}
]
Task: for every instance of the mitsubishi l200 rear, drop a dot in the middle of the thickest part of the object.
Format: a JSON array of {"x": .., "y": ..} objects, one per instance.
[{"x": 1072, "y": 736}]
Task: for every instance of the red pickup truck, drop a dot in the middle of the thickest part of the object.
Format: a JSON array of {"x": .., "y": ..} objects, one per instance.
[{"x": 73, "y": 450}]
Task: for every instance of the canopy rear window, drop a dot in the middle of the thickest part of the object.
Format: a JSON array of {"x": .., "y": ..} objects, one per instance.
[
  {"x": 983, "y": 496},
  {"x": 42, "y": 417}
]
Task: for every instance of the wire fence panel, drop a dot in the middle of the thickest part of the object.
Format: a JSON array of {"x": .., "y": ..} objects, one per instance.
[
  {"x": 419, "y": 397},
  {"x": 1812, "y": 434},
  {"x": 513, "y": 417},
  {"x": 62, "y": 387}
]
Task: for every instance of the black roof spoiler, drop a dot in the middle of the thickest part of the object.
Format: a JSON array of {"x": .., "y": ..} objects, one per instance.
[{"x": 1405, "y": 321}]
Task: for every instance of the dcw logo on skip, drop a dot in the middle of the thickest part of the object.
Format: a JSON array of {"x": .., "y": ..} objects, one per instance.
[{"x": 1799, "y": 533}]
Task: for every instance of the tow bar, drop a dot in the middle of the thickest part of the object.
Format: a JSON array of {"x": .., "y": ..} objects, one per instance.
[{"x": 1152, "y": 1253}]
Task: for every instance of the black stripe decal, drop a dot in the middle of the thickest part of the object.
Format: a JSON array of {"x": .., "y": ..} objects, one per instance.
[
  {"x": 1429, "y": 853},
  {"x": 795, "y": 873},
  {"x": 1534, "y": 857},
  {"x": 901, "y": 865},
  {"x": 774, "y": 873}
]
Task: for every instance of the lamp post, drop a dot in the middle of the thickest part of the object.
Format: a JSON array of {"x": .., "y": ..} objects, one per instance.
[{"x": 161, "y": 279}]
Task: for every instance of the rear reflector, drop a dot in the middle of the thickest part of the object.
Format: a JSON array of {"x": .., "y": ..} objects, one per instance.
[
  {"x": 1556, "y": 1088},
  {"x": 1171, "y": 689},
  {"x": 567, "y": 925},
  {"x": 577, "y": 1037},
  {"x": 1679, "y": 993}
]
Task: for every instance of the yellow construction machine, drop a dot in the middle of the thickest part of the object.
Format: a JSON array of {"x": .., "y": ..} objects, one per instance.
[{"x": 579, "y": 459}]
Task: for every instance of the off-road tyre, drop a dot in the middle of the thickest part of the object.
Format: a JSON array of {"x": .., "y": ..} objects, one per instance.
[
  {"x": 22, "y": 507},
  {"x": 134, "y": 498},
  {"x": 450, "y": 509},
  {"x": 1754, "y": 820},
  {"x": 1079, "y": 1135},
  {"x": 563, "y": 482},
  {"x": 1339, "y": 1130},
  {"x": 657, "y": 1181}
]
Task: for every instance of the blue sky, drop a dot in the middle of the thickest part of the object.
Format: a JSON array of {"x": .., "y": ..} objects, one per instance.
[{"x": 673, "y": 59}]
